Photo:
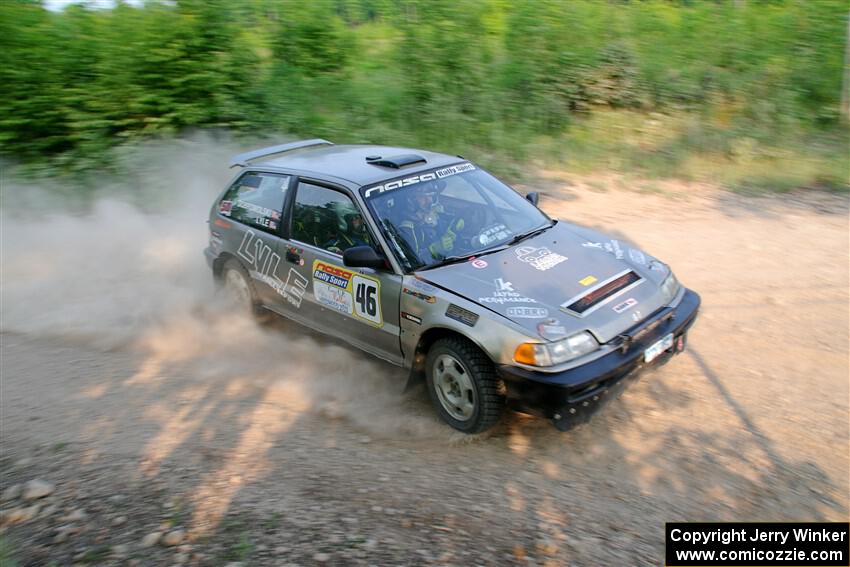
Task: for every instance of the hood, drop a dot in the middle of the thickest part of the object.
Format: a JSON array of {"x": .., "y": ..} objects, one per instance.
[{"x": 535, "y": 282}]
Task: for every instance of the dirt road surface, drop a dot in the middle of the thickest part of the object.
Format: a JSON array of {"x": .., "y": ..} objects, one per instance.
[{"x": 149, "y": 412}]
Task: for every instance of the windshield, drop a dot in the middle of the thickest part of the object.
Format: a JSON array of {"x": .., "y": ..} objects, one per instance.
[{"x": 449, "y": 213}]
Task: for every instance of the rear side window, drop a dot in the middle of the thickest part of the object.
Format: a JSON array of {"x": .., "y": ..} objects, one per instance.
[{"x": 256, "y": 199}]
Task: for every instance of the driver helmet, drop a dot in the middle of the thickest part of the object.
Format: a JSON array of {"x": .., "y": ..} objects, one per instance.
[
  {"x": 354, "y": 223},
  {"x": 425, "y": 200}
]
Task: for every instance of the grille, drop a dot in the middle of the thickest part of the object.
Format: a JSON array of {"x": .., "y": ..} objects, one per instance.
[{"x": 603, "y": 292}]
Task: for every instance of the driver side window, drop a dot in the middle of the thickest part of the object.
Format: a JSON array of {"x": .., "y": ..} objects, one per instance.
[{"x": 328, "y": 219}]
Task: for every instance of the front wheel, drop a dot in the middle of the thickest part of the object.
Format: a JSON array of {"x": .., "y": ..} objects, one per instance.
[{"x": 463, "y": 385}]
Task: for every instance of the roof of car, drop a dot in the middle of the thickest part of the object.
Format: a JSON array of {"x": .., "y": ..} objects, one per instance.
[{"x": 350, "y": 162}]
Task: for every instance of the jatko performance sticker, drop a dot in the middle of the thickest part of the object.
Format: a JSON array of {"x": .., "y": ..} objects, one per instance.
[
  {"x": 347, "y": 292},
  {"x": 505, "y": 294}
]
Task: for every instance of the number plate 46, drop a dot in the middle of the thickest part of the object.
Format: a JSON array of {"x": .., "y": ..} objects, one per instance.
[{"x": 367, "y": 299}]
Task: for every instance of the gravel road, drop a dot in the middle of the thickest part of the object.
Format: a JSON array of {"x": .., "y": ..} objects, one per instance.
[{"x": 164, "y": 432}]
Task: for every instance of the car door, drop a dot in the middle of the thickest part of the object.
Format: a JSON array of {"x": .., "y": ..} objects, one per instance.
[
  {"x": 249, "y": 222},
  {"x": 359, "y": 305}
]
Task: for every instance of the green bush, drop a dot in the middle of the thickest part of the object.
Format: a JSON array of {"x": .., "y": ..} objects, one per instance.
[{"x": 506, "y": 79}]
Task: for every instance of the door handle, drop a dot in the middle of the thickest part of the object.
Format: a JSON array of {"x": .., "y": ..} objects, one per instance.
[{"x": 293, "y": 257}]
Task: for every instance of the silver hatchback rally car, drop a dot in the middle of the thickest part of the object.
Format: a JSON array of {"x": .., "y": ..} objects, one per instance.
[{"x": 429, "y": 262}]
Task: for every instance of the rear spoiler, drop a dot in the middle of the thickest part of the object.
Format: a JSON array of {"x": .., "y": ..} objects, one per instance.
[{"x": 242, "y": 159}]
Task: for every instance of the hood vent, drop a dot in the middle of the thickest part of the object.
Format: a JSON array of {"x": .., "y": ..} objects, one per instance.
[{"x": 585, "y": 303}]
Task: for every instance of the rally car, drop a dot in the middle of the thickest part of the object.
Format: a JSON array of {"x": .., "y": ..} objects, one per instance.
[{"x": 429, "y": 262}]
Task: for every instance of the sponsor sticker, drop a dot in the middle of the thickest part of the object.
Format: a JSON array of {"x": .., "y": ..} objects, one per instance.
[
  {"x": 495, "y": 233},
  {"x": 527, "y": 312},
  {"x": 412, "y": 318},
  {"x": 539, "y": 258},
  {"x": 478, "y": 263},
  {"x": 347, "y": 292},
  {"x": 505, "y": 294},
  {"x": 414, "y": 179},
  {"x": 637, "y": 256},
  {"x": 625, "y": 305},
  {"x": 268, "y": 223},
  {"x": 330, "y": 274},
  {"x": 419, "y": 295},
  {"x": 465, "y": 316},
  {"x": 256, "y": 209},
  {"x": 421, "y": 285},
  {"x": 612, "y": 247},
  {"x": 292, "y": 289},
  {"x": 454, "y": 169},
  {"x": 587, "y": 281},
  {"x": 263, "y": 262}
]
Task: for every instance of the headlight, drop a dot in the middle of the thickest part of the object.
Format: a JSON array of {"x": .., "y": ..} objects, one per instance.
[
  {"x": 550, "y": 354},
  {"x": 669, "y": 289}
]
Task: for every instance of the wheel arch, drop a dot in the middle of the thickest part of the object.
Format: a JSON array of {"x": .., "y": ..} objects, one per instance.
[
  {"x": 218, "y": 263},
  {"x": 426, "y": 340}
]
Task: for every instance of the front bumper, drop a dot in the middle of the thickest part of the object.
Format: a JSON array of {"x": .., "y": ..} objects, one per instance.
[{"x": 573, "y": 396}]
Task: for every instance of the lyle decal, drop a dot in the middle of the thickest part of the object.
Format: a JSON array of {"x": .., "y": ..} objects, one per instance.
[{"x": 263, "y": 264}]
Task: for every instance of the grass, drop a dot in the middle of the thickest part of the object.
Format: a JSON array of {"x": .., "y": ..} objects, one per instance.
[
  {"x": 7, "y": 556},
  {"x": 272, "y": 522},
  {"x": 242, "y": 547},
  {"x": 689, "y": 147},
  {"x": 96, "y": 554}
]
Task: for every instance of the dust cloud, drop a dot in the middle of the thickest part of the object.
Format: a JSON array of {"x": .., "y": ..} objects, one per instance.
[{"x": 122, "y": 268}]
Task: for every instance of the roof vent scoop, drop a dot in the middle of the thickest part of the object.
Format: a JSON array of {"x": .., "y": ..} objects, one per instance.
[{"x": 396, "y": 162}]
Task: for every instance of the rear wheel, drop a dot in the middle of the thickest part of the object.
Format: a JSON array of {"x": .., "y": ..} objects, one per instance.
[
  {"x": 463, "y": 385},
  {"x": 239, "y": 291}
]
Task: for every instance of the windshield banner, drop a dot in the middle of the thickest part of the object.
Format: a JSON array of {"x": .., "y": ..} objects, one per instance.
[{"x": 413, "y": 179}]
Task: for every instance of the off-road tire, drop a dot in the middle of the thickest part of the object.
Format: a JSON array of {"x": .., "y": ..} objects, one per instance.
[{"x": 489, "y": 399}]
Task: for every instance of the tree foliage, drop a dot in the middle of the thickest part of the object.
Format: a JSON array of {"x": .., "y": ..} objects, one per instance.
[{"x": 439, "y": 72}]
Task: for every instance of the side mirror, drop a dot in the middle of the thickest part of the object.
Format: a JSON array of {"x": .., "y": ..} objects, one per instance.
[
  {"x": 363, "y": 257},
  {"x": 533, "y": 198}
]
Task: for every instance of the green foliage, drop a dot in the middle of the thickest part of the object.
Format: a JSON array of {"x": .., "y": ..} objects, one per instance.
[
  {"x": 7, "y": 556},
  {"x": 504, "y": 78}
]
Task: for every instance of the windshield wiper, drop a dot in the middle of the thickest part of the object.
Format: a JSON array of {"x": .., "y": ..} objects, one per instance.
[
  {"x": 529, "y": 234},
  {"x": 449, "y": 260}
]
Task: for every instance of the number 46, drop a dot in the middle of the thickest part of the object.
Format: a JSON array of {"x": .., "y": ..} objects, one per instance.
[{"x": 365, "y": 297}]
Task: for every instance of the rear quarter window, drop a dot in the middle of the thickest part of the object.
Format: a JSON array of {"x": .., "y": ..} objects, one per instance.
[{"x": 256, "y": 199}]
